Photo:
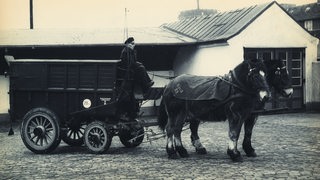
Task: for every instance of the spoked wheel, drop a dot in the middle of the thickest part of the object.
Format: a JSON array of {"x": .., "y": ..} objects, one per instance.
[
  {"x": 40, "y": 131},
  {"x": 97, "y": 137},
  {"x": 131, "y": 136},
  {"x": 73, "y": 136}
]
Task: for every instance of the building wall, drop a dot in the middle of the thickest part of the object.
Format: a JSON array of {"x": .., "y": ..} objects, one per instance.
[
  {"x": 315, "y": 96},
  {"x": 4, "y": 96},
  {"x": 207, "y": 60}
]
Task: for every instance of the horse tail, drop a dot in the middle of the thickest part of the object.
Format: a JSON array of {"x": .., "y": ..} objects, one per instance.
[{"x": 162, "y": 116}]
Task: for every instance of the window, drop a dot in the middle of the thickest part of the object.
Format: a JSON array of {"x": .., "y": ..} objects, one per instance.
[
  {"x": 316, "y": 24},
  {"x": 308, "y": 25}
]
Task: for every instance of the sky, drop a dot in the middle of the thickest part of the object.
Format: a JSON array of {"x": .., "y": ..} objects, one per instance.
[{"x": 99, "y": 14}]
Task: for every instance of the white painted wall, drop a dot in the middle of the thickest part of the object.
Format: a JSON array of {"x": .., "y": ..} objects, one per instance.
[
  {"x": 4, "y": 96},
  {"x": 207, "y": 60}
]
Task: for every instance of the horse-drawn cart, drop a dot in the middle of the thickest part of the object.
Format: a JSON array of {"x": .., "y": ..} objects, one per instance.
[{"x": 78, "y": 101}]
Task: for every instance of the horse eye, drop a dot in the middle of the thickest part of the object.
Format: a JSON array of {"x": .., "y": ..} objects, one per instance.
[{"x": 262, "y": 73}]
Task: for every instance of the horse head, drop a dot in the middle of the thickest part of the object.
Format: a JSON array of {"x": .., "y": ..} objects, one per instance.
[
  {"x": 255, "y": 73},
  {"x": 278, "y": 77}
]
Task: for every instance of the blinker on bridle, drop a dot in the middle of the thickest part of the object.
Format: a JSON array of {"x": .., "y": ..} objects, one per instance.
[{"x": 278, "y": 71}]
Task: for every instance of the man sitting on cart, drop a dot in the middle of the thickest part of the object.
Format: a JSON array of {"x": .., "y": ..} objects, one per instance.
[{"x": 133, "y": 69}]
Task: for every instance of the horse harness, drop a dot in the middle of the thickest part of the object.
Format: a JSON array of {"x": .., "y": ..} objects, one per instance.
[{"x": 233, "y": 81}]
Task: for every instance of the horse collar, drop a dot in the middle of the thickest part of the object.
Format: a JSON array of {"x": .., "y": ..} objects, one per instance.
[{"x": 238, "y": 84}]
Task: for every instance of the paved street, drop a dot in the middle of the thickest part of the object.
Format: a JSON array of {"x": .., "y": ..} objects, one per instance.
[{"x": 288, "y": 147}]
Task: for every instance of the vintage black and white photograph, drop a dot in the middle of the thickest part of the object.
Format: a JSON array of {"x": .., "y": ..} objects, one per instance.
[{"x": 159, "y": 89}]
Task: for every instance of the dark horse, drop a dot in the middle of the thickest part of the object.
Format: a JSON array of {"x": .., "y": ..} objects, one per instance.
[
  {"x": 194, "y": 98},
  {"x": 277, "y": 78}
]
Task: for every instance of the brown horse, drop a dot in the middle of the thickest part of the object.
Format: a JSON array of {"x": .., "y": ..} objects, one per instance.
[{"x": 195, "y": 98}]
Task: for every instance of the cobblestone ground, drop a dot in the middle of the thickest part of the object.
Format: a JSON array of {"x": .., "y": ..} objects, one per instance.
[{"x": 288, "y": 147}]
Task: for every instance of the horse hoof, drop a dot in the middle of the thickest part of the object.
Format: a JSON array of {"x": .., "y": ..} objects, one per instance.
[
  {"x": 172, "y": 153},
  {"x": 183, "y": 152},
  {"x": 237, "y": 159},
  {"x": 201, "y": 151},
  {"x": 173, "y": 156},
  {"x": 251, "y": 154},
  {"x": 184, "y": 155},
  {"x": 235, "y": 156}
]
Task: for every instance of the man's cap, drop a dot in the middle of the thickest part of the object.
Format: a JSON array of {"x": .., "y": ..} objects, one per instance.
[{"x": 129, "y": 40}]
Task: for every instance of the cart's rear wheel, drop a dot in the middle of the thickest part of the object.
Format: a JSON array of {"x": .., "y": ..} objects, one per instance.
[
  {"x": 40, "y": 131},
  {"x": 73, "y": 136},
  {"x": 97, "y": 137},
  {"x": 132, "y": 136}
]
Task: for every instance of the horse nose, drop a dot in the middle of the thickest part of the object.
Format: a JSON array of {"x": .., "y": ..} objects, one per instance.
[
  {"x": 264, "y": 95},
  {"x": 289, "y": 92}
]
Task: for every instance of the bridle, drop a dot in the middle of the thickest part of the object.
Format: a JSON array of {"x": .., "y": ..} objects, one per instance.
[
  {"x": 234, "y": 81},
  {"x": 278, "y": 73}
]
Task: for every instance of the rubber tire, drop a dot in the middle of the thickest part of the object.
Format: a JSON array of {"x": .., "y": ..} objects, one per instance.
[
  {"x": 31, "y": 119},
  {"x": 126, "y": 134},
  {"x": 102, "y": 129},
  {"x": 69, "y": 138}
]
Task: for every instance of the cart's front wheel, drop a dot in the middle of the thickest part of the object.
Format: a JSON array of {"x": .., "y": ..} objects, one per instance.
[
  {"x": 97, "y": 137},
  {"x": 132, "y": 135},
  {"x": 40, "y": 131},
  {"x": 73, "y": 136}
]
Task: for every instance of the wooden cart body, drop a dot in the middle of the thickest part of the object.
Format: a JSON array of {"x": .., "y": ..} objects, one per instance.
[{"x": 67, "y": 95}]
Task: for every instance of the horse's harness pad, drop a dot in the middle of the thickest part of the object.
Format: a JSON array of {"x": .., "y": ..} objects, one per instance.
[{"x": 191, "y": 87}]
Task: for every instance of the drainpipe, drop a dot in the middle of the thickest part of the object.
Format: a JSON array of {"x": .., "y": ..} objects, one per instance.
[{"x": 31, "y": 14}]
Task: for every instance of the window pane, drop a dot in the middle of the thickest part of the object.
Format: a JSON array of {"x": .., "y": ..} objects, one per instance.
[
  {"x": 308, "y": 25},
  {"x": 296, "y": 81},
  {"x": 282, "y": 55},
  {"x": 251, "y": 55},
  {"x": 296, "y": 55},
  {"x": 296, "y": 72},
  {"x": 296, "y": 64},
  {"x": 316, "y": 24}
]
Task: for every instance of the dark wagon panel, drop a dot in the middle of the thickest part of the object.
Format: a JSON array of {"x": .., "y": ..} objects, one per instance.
[{"x": 62, "y": 85}]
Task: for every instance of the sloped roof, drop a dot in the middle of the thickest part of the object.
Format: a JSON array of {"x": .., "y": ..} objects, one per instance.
[
  {"x": 212, "y": 28},
  {"x": 305, "y": 12},
  {"x": 219, "y": 26},
  {"x": 112, "y": 36}
]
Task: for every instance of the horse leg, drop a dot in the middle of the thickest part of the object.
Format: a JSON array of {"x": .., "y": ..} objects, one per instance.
[
  {"x": 248, "y": 126},
  {"x": 195, "y": 139},
  {"x": 235, "y": 124},
  {"x": 233, "y": 143},
  {"x": 171, "y": 150},
  {"x": 177, "y": 135}
]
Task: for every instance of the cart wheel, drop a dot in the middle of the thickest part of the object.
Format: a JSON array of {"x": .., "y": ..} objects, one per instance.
[
  {"x": 40, "y": 131},
  {"x": 97, "y": 138},
  {"x": 132, "y": 136},
  {"x": 73, "y": 136}
]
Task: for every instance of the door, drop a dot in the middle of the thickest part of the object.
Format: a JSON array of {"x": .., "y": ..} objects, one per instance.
[{"x": 294, "y": 60}]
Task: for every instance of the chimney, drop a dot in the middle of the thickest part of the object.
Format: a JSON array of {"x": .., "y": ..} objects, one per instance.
[{"x": 198, "y": 6}]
